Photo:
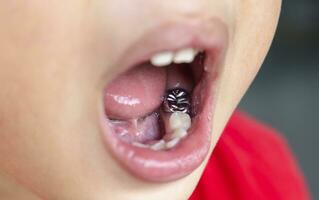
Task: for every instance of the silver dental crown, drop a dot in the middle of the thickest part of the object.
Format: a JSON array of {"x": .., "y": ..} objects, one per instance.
[{"x": 177, "y": 99}]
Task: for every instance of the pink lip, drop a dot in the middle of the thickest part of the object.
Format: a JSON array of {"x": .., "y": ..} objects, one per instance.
[{"x": 161, "y": 166}]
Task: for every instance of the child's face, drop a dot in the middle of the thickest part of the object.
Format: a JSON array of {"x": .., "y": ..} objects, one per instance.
[{"x": 57, "y": 59}]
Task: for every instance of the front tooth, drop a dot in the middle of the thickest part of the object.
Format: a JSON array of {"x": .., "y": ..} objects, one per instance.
[
  {"x": 179, "y": 120},
  {"x": 162, "y": 59},
  {"x": 137, "y": 144},
  {"x": 160, "y": 145},
  {"x": 185, "y": 56},
  {"x": 172, "y": 143},
  {"x": 179, "y": 133}
]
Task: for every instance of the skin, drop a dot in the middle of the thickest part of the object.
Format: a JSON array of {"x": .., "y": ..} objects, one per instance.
[{"x": 55, "y": 59}]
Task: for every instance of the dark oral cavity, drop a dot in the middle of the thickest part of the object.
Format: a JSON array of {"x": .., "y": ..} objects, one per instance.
[{"x": 134, "y": 100}]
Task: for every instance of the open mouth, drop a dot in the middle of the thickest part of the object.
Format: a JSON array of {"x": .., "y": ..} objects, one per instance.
[{"x": 158, "y": 112}]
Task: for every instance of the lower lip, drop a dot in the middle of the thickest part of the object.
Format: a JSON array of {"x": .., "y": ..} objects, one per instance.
[{"x": 173, "y": 164}]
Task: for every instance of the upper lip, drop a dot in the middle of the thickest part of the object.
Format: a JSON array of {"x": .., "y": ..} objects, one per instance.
[{"x": 210, "y": 36}]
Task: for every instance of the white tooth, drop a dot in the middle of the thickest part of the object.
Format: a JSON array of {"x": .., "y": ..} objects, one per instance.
[
  {"x": 160, "y": 145},
  {"x": 185, "y": 56},
  {"x": 179, "y": 120},
  {"x": 137, "y": 144},
  {"x": 162, "y": 59},
  {"x": 172, "y": 143},
  {"x": 179, "y": 133}
]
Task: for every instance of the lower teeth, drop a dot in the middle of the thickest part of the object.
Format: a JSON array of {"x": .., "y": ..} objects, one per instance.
[
  {"x": 179, "y": 133},
  {"x": 179, "y": 123},
  {"x": 160, "y": 145},
  {"x": 177, "y": 103},
  {"x": 140, "y": 145},
  {"x": 177, "y": 100},
  {"x": 172, "y": 143},
  {"x": 179, "y": 120}
]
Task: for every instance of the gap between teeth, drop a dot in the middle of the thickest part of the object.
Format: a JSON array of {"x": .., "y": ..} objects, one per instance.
[
  {"x": 166, "y": 58},
  {"x": 179, "y": 123}
]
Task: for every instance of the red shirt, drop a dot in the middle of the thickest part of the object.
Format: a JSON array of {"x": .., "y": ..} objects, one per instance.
[{"x": 251, "y": 161}]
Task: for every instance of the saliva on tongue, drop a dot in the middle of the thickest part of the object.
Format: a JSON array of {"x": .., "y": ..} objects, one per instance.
[{"x": 133, "y": 101}]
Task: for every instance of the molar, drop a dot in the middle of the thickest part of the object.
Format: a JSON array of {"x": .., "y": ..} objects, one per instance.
[
  {"x": 179, "y": 120},
  {"x": 179, "y": 133}
]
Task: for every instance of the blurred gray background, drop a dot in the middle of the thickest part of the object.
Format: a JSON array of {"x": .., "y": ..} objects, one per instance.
[{"x": 285, "y": 93}]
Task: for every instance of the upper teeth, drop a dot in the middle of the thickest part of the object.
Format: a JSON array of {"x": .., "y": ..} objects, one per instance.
[
  {"x": 162, "y": 59},
  {"x": 185, "y": 56}
]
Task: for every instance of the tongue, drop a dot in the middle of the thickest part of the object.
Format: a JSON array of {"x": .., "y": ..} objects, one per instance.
[{"x": 136, "y": 93}]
